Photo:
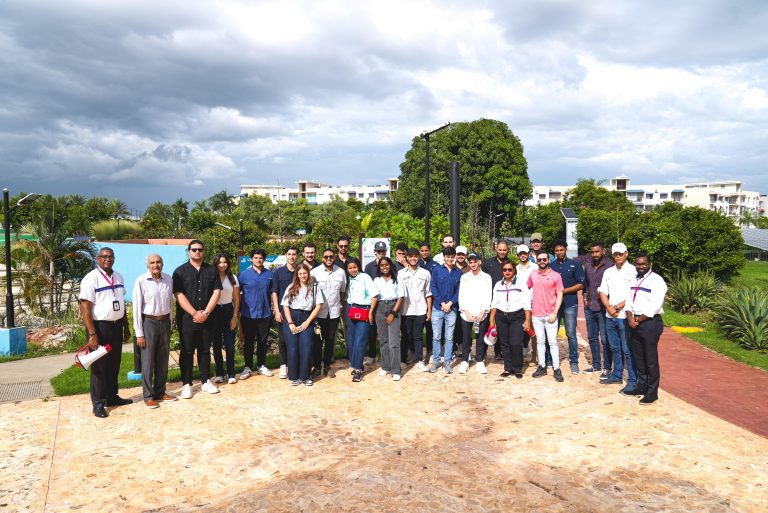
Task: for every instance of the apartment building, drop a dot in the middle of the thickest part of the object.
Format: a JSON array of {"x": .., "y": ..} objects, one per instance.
[{"x": 317, "y": 193}]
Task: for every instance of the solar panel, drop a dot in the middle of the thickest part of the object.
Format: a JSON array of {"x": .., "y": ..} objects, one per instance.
[{"x": 755, "y": 238}]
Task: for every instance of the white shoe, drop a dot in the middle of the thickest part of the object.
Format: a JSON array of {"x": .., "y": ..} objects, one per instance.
[
  {"x": 382, "y": 372},
  {"x": 395, "y": 377},
  {"x": 463, "y": 367},
  {"x": 186, "y": 392},
  {"x": 368, "y": 360},
  {"x": 283, "y": 372},
  {"x": 480, "y": 366},
  {"x": 232, "y": 381},
  {"x": 421, "y": 367},
  {"x": 265, "y": 372},
  {"x": 219, "y": 379},
  {"x": 209, "y": 387},
  {"x": 246, "y": 373}
]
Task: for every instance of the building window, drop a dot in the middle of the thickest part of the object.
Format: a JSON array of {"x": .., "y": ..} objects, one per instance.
[
  {"x": 648, "y": 195},
  {"x": 663, "y": 195},
  {"x": 542, "y": 196}
]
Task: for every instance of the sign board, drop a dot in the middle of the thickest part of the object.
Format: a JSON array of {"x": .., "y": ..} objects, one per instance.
[
  {"x": 244, "y": 262},
  {"x": 367, "y": 249}
]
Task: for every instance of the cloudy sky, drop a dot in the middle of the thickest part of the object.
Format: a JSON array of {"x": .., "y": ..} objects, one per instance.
[{"x": 147, "y": 100}]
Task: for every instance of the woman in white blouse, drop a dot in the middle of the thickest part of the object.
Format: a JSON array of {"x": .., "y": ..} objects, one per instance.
[
  {"x": 300, "y": 308},
  {"x": 511, "y": 316},
  {"x": 361, "y": 293},
  {"x": 386, "y": 308},
  {"x": 225, "y": 319}
]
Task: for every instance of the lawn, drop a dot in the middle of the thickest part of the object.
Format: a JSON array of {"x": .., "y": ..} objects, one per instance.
[{"x": 753, "y": 274}]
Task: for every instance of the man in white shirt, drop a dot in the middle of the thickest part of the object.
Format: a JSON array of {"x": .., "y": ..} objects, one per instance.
[
  {"x": 152, "y": 306},
  {"x": 523, "y": 271},
  {"x": 331, "y": 283},
  {"x": 614, "y": 291},
  {"x": 102, "y": 305},
  {"x": 417, "y": 305},
  {"x": 644, "y": 309},
  {"x": 475, "y": 294}
]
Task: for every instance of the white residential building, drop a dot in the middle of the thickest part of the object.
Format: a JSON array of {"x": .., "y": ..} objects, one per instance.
[
  {"x": 317, "y": 193},
  {"x": 725, "y": 196}
]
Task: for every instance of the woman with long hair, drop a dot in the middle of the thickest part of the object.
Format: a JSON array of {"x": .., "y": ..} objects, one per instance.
[
  {"x": 361, "y": 298},
  {"x": 300, "y": 305},
  {"x": 225, "y": 318},
  {"x": 387, "y": 315},
  {"x": 511, "y": 316}
]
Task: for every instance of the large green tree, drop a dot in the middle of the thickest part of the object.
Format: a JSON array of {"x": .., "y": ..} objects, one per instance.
[
  {"x": 494, "y": 172},
  {"x": 589, "y": 194}
]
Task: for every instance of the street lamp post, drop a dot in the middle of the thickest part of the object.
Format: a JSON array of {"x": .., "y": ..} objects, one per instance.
[
  {"x": 426, "y": 136},
  {"x": 7, "y": 213},
  {"x": 241, "y": 231}
]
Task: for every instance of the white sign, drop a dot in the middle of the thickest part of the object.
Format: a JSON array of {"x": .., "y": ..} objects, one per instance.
[{"x": 368, "y": 254}]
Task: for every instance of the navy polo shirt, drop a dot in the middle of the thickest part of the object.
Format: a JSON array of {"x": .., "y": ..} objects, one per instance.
[
  {"x": 572, "y": 274},
  {"x": 256, "y": 289}
]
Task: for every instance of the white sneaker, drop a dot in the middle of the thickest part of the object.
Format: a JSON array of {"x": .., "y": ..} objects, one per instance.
[
  {"x": 368, "y": 360},
  {"x": 209, "y": 387},
  {"x": 283, "y": 372},
  {"x": 246, "y": 372},
  {"x": 265, "y": 372},
  {"x": 219, "y": 379},
  {"x": 232, "y": 381},
  {"x": 186, "y": 392},
  {"x": 395, "y": 377},
  {"x": 421, "y": 367},
  {"x": 480, "y": 366},
  {"x": 382, "y": 372},
  {"x": 463, "y": 367}
]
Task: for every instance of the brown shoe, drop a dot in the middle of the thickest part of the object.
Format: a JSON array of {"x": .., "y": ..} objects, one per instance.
[
  {"x": 151, "y": 403},
  {"x": 168, "y": 397}
]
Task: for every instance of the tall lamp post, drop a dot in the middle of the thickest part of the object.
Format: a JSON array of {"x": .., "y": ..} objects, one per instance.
[
  {"x": 7, "y": 213},
  {"x": 426, "y": 136},
  {"x": 240, "y": 251}
]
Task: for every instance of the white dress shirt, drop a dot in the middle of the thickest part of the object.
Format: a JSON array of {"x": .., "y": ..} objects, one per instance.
[
  {"x": 646, "y": 295},
  {"x": 303, "y": 299},
  {"x": 151, "y": 297},
  {"x": 511, "y": 297},
  {"x": 417, "y": 286},
  {"x": 388, "y": 289},
  {"x": 615, "y": 285},
  {"x": 103, "y": 291},
  {"x": 330, "y": 286},
  {"x": 475, "y": 294}
]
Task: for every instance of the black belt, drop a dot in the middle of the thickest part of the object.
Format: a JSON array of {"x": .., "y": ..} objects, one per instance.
[
  {"x": 119, "y": 321},
  {"x": 387, "y": 301},
  {"x": 156, "y": 317}
]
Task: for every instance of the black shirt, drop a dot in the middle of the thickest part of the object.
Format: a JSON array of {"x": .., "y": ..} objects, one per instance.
[
  {"x": 281, "y": 280},
  {"x": 197, "y": 286},
  {"x": 313, "y": 264},
  {"x": 493, "y": 267},
  {"x": 372, "y": 269},
  {"x": 341, "y": 263}
]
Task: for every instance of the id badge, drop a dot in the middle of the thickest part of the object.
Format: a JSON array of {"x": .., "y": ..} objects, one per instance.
[{"x": 116, "y": 306}]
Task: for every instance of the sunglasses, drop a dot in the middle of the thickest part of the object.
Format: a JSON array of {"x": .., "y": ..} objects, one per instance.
[
  {"x": 327, "y": 256},
  {"x": 508, "y": 270},
  {"x": 542, "y": 259},
  {"x": 342, "y": 246},
  {"x": 196, "y": 250}
]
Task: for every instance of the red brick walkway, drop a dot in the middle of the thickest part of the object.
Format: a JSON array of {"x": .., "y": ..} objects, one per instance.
[{"x": 718, "y": 385}]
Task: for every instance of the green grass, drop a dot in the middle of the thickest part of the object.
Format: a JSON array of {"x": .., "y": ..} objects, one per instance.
[
  {"x": 714, "y": 339},
  {"x": 753, "y": 274}
]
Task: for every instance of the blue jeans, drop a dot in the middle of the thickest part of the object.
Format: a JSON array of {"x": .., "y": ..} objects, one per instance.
[
  {"x": 569, "y": 316},
  {"x": 618, "y": 338},
  {"x": 299, "y": 346},
  {"x": 438, "y": 316},
  {"x": 596, "y": 332},
  {"x": 357, "y": 339}
]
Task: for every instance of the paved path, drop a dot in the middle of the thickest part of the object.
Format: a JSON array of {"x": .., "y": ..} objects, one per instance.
[{"x": 728, "y": 389}]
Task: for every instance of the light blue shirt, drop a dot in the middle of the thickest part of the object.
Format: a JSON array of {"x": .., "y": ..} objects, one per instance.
[{"x": 361, "y": 290}]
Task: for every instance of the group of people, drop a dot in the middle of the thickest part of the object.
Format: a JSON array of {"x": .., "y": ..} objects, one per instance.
[{"x": 392, "y": 300}]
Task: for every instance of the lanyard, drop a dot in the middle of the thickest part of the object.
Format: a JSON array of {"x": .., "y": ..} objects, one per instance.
[
  {"x": 110, "y": 282},
  {"x": 637, "y": 285}
]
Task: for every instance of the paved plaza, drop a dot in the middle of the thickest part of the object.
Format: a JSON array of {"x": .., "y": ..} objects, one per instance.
[{"x": 430, "y": 442}]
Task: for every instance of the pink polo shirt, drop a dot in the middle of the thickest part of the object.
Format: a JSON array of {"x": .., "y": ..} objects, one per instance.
[{"x": 544, "y": 288}]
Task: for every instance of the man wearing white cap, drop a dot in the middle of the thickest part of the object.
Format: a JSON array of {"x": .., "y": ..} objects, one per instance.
[
  {"x": 614, "y": 292},
  {"x": 523, "y": 270},
  {"x": 461, "y": 259},
  {"x": 475, "y": 294}
]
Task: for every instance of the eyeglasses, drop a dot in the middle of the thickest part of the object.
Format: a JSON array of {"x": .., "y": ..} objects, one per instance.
[
  {"x": 542, "y": 259},
  {"x": 508, "y": 270},
  {"x": 196, "y": 250}
]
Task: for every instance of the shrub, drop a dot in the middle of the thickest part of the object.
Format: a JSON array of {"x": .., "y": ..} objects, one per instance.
[
  {"x": 692, "y": 293},
  {"x": 743, "y": 315}
]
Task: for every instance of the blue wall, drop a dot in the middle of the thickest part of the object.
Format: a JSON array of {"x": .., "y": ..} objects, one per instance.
[{"x": 131, "y": 259}]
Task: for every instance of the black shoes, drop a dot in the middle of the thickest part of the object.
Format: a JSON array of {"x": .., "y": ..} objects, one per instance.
[
  {"x": 100, "y": 412},
  {"x": 330, "y": 372},
  {"x": 540, "y": 371},
  {"x": 558, "y": 375},
  {"x": 498, "y": 357},
  {"x": 505, "y": 374},
  {"x": 630, "y": 390},
  {"x": 119, "y": 401},
  {"x": 519, "y": 375},
  {"x": 648, "y": 399},
  {"x": 357, "y": 376}
]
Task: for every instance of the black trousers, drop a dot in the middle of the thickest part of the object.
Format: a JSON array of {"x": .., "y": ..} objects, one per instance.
[
  {"x": 195, "y": 337},
  {"x": 255, "y": 331},
  {"x": 372, "y": 343},
  {"x": 105, "y": 370},
  {"x": 281, "y": 348},
  {"x": 644, "y": 345},
  {"x": 324, "y": 346},
  {"x": 414, "y": 333},
  {"x": 467, "y": 334},
  {"x": 511, "y": 337}
]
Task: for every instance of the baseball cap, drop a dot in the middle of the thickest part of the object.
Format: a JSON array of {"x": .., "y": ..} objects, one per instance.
[
  {"x": 619, "y": 247},
  {"x": 536, "y": 236},
  {"x": 473, "y": 256},
  {"x": 379, "y": 246},
  {"x": 461, "y": 249},
  {"x": 522, "y": 248}
]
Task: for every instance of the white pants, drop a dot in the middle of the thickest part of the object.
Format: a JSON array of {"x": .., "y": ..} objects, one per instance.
[{"x": 546, "y": 331}]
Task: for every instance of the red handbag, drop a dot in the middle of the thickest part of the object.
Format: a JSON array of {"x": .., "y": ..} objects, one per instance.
[{"x": 358, "y": 314}]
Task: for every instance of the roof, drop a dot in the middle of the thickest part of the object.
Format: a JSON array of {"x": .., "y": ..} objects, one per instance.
[
  {"x": 634, "y": 190},
  {"x": 568, "y": 213},
  {"x": 755, "y": 238}
]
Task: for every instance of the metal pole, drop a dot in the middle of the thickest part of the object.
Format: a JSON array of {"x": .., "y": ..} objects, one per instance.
[
  {"x": 426, "y": 192},
  {"x": 9, "y": 323},
  {"x": 455, "y": 200}
]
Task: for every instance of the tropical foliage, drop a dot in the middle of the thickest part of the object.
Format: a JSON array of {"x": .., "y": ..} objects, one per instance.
[
  {"x": 743, "y": 316},
  {"x": 692, "y": 293}
]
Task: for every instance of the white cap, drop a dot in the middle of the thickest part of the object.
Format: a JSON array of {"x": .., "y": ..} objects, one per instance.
[
  {"x": 461, "y": 249},
  {"x": 522, "y": 248},
  {"x": 619, "y": 247}
]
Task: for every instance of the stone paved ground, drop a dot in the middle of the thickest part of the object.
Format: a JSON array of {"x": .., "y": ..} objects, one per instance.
[{"x": 428, "y": 443}]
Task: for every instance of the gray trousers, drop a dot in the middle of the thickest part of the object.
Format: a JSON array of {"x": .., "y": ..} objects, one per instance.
[
  {"x": 389, "y": 337},
  {"x": 154, "y": 357}
]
